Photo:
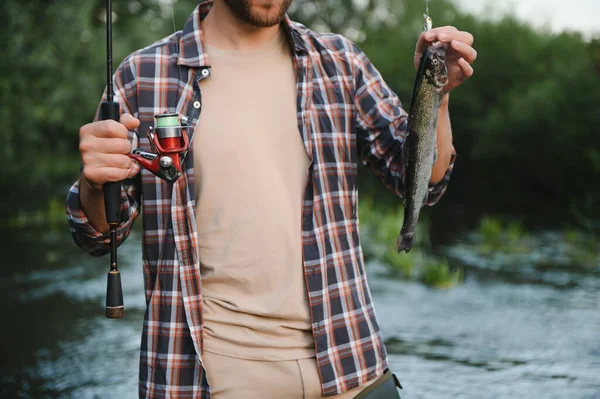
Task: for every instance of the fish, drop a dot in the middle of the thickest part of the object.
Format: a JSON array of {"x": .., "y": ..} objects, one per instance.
[{"x": 420, "y": 146}]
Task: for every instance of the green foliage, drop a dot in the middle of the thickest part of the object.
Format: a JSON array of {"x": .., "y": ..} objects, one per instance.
[
  {"x": 501, "y": 245},
  {"x": 379, "y": 231},
  {"x": 496, "y": 235},
  {"x": 583, "y": 248},
  {"x": 491, "y": 231},
  {"x": 400, "y": 265},
  {"x": 515, "y": 231},
  {"x": 439, "y": 275},
  {"x": 524, "y": 126},
  {"x": 51, "y": 83},
  {"x": 52, "y": 216}
]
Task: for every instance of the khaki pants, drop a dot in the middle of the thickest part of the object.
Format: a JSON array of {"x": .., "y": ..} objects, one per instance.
[{"x": 233, "y": 378}]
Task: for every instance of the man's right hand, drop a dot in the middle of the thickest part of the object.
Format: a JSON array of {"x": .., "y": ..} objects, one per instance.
[{"x": 104, "y": 146}]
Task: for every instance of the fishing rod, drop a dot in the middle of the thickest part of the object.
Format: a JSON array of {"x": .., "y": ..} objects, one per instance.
[
  {"x": 109, "y": 110},
  {"x": 169, "y": 142}
]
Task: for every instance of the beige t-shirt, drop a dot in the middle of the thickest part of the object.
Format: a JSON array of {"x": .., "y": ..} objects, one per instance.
[{"x": 251, "y": 167}]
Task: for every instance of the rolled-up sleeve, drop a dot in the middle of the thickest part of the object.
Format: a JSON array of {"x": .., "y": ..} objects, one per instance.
[
  {"x": 382, "y": 126},
  {"x": 84, "y": 234}
]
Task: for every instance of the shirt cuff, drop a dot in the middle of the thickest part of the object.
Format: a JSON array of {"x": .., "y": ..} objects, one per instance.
[
  {"x": 437, "y": 190},
  {"x": 84, "y": 234}
]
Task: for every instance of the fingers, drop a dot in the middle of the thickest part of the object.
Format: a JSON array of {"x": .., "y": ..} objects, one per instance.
[
  {"x": 99, "y": 176},
  {"x": 114, "y": 146},
  {"x": 101, "y": 168},
  {"x": 465, "y": 67},
  {"x": 448, "y": 36},
  {"x": 465, "y": 51},
  {"x": 104, "y": 146},
  {"x": 110, "y": 128},
  {"x": 104, "y": 129},
  {"x": 129, "y": 121},
  {"x": 444, "y": 34},
  {"x": 430, "y": 36},
  {"x": 116, "y": 161},
  {"x": 433, "y": 34}
]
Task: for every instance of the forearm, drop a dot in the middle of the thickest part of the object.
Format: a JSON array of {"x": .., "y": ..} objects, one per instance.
[
  {"x": 91, "y": 201},
  {"x": 444, "y": 143},
  {"x": 86, "y": 214}
]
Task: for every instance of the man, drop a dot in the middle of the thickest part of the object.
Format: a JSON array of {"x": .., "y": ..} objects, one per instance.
[{"x": 254, "y": 275}]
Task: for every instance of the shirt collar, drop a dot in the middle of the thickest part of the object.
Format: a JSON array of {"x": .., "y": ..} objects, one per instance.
[{"x": 192, "y": 51}]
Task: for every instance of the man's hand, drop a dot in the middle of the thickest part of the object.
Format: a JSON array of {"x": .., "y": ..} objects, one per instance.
[
  {"x": 104, "y": 147},
  {"x": 459, "y": 53}
]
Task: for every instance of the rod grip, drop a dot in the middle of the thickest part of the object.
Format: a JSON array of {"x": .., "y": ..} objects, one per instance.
[
  {"x": 112, "y": 191},
  {"x": 114, "y": 296}
]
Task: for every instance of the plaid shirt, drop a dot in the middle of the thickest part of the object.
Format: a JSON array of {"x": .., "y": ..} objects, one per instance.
[{"x": 346, "y": 112}]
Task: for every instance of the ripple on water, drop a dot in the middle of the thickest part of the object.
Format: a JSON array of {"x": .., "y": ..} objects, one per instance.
[
  {"x": 490, "y": 339},
  {"x": 505, "y": 332}
]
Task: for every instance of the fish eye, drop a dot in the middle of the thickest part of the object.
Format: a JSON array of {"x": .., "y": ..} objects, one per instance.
[{"x": 434, "y": 61}]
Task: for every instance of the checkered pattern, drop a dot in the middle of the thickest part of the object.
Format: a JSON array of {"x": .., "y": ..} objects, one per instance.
[{"x": 346, "y": 114}]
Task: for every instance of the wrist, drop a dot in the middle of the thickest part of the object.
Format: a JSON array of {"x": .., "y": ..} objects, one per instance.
[
  {"x": 89, "y": 193},
  {"x": 91, "y": 188},
  {"x": 445, "y": 100},
  {"x": 91, "y": 203}
]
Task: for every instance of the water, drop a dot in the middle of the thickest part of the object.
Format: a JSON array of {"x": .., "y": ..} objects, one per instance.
[{"x": 499, "y": 335}]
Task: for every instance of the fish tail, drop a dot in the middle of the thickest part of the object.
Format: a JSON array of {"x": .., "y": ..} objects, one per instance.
[{"x": 406, "y": 242}]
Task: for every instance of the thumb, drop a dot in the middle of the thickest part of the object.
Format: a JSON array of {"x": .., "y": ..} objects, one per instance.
[
  {"x": 129, "y": 121},
  {"x": 425, "y": 39}
]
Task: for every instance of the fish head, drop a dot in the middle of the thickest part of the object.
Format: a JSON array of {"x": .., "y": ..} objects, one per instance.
[{"x": 436, "y": 72}]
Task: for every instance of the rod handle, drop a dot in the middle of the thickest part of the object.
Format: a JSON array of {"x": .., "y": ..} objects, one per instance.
[
  {"x": 114, "y": 296},
  {"x": 112, "y": 191}
]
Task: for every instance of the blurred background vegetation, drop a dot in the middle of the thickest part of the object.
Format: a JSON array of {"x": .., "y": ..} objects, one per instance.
[
  {"x": 516, "y": 234},
  {"x": 525, "y": 126}
]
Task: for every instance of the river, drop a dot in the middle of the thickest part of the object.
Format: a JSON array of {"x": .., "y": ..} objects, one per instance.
[{"x": 500, "y": 334}]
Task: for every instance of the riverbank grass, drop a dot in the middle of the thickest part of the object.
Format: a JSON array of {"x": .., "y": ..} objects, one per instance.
[{"x": 379, "y": 233}]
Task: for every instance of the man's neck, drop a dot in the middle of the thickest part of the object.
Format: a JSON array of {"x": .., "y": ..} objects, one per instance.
[{"x": 221, "y": 28}]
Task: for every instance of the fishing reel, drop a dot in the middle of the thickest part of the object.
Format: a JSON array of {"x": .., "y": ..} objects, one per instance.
[{"x": 169, "y": 142}]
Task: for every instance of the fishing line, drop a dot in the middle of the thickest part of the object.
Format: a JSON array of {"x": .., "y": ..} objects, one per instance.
[{"x": 175, "y": 30}]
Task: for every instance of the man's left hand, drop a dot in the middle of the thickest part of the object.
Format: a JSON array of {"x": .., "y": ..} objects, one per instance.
[{"x": 459, "y": 53}]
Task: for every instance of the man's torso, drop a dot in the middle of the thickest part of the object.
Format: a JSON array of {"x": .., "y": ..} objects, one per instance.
[{"x": 250, "y": 166}]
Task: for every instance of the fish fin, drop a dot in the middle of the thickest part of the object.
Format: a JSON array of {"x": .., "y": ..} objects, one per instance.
[{"x": 405, "y": 242}]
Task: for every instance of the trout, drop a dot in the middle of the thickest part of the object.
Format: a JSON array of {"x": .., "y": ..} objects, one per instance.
[{"x": 420, "y": 145}]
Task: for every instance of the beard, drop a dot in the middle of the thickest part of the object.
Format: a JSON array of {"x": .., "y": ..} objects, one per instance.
[{"x": 259, "y": 13}]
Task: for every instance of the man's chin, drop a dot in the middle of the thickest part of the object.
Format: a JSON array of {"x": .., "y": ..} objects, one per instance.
[
  {"x": 263, "y": 21},
  {"x": 258, "y": 15}
]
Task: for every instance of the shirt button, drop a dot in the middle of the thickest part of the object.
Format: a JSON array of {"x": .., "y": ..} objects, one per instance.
[
  {"x": 205, "y": 72},
  {"x": 196, "y": 104},
  {"x": 306, "y": 221}
]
